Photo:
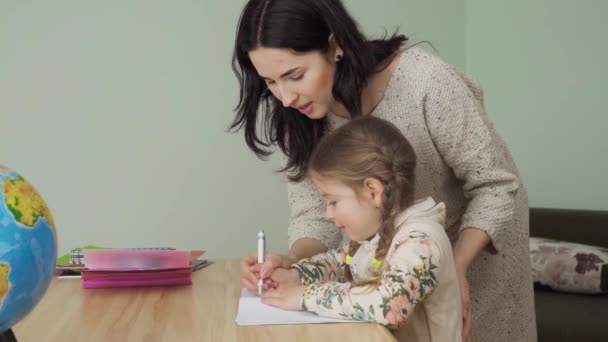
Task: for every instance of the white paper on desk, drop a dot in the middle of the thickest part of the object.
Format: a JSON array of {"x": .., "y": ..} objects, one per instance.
[{"x": 253, "y": 312}]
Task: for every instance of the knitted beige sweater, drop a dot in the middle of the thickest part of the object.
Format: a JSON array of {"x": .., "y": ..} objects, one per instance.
[{"x": 463, "y": 162}]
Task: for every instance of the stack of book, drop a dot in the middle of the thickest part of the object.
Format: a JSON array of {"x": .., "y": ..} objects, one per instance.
[{"x": 134, "y": 267}]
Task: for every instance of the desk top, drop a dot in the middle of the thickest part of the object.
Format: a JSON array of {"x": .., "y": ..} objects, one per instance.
[{"x": 204, "y": 311}]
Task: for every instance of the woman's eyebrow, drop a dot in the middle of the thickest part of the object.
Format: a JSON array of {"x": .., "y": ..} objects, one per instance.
[{"x": 286, "y": 73}]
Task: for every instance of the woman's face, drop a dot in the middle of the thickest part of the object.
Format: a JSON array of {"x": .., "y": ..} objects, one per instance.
[{"x": 301, "y": 81}]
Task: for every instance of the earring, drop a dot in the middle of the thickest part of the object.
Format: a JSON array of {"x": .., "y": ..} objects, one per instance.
[{"x": 338, "y": 57}]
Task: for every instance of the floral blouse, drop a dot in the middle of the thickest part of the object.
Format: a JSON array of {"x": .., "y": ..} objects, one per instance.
[{"x": 409, "y": 276}]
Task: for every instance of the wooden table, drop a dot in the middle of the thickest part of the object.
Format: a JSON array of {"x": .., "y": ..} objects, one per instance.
[{"x": 204, "y": 311}]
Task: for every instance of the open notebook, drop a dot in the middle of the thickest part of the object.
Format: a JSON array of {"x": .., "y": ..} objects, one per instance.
[{"x": 253, "y": 312}]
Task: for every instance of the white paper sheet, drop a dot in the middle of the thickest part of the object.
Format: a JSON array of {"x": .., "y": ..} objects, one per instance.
[{"x": 253, "y": 312}]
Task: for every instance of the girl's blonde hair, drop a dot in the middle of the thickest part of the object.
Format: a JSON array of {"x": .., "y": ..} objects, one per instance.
[{"x": 369, "y": 147}]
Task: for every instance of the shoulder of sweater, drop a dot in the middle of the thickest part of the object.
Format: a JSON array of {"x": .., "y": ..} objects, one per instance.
[
  {"x": 427, "y": 73},
  {"x": 421, "y": 66}
]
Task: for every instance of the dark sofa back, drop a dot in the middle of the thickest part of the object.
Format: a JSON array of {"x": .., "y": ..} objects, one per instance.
[{"x": 582, "y": 226}]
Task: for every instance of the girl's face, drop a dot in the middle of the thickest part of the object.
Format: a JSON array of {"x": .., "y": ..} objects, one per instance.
[
  {"x": 357, "y": 213},
  {"x": 301, "y": 81}
]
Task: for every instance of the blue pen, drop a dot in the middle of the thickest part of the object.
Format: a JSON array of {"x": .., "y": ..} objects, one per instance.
[{"x": 261, "y": 252}]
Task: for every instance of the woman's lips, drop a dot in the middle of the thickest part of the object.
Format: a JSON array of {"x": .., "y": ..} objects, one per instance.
[{"x": 306, "y": 109}]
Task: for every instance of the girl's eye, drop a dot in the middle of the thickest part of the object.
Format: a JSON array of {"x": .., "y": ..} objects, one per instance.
[
  {"x": 332, "y": 203},
  {"x": 298, "y": 78},
  {"x": 269, "y": 82}
]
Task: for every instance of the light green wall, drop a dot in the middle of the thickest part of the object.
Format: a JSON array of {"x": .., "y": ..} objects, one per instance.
[
  {"x": 543, "y": 66},
  {"x": 116, "y": 111},
  {"x": 441, "y": 22}
]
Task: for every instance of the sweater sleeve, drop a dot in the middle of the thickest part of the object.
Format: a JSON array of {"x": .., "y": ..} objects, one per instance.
[
  {"x": 470, "y": 145},
  {"x": 410, "y": 277},
  {"x": 307, "y": 216}
]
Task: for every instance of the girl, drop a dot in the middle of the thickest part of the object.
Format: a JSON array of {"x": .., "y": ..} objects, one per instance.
[
  {"x": 398, "y": 268},
  {"x": 305, "y": 69}
]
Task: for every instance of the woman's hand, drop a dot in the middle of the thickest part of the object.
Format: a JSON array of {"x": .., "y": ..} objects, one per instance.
[
  {"x": 466, "y": 305},
  {"x": 286, "y": 296},
  {"x": 251, "y": 271},
  {"x": 471, "y": 242}
]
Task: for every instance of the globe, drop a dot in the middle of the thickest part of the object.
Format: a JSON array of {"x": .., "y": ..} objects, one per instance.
[{"x": 28, "y": 248}]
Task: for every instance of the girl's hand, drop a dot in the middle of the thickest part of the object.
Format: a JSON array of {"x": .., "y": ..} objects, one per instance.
[
  {"x": 286, "y": 296},
  {"x": 273, "y": 262},
  {"x": 285, "y": 277},
  {"x": 251, "y": 271}
]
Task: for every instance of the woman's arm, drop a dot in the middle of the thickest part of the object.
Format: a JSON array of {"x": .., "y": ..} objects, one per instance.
[
  {"x": 471, "y": 242},
  {"x": 471, "y": 147},
  {"x": 309, "y": 233},
  {"x": 306, "y": 248}
]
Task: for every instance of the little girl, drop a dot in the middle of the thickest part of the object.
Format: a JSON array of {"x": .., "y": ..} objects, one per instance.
[{"x": 398, "y": 268}]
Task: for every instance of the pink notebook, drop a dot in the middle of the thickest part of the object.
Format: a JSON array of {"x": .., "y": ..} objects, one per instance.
[
  {"x": 135, "y": 268},
  {"x": 134, "y": 259},
  {"x": 94, "y": 279}
]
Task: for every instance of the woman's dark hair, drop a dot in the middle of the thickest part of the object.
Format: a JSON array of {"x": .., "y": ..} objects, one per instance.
[{"x": 302, "y": 26}]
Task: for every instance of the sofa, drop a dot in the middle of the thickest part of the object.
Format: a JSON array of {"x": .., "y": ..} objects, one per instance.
[{"x": 565, "y": 316}]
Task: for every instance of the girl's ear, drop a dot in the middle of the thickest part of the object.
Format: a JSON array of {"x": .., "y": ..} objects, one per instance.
[{"x": 373, "y": 189}]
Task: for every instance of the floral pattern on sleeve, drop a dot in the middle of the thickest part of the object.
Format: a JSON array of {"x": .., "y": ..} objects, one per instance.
[
  {"x": 323, "y": 267},
  {"x": 410, "y": 277}
]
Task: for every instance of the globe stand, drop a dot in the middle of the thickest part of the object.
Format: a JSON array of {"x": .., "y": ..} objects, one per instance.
[{"x": 8, "y": 336}]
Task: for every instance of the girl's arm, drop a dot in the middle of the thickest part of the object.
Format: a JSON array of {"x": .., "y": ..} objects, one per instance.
[
  {"x": 408, "y": 280},
  {"x": 323, "y": 267}
]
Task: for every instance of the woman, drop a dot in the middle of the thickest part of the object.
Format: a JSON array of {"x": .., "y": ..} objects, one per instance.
[{"x": 305, "y": 68}]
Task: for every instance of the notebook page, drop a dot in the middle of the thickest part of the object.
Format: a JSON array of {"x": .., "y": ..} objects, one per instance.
[{"x": 253, "y": 312}]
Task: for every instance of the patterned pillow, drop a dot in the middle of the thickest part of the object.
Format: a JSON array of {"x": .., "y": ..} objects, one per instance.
[{"x": 569, "y": 267}]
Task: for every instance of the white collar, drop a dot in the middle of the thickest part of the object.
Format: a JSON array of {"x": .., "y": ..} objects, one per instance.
[{"x": 370, "y": 244}]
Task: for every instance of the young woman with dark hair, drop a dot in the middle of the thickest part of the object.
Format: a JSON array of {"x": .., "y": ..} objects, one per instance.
[{"x": 305, "y": 68}]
